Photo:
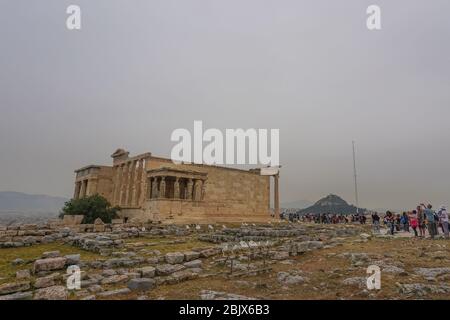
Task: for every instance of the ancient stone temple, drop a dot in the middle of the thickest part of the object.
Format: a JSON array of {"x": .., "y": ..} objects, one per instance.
[{"x": 149, "y": 188}]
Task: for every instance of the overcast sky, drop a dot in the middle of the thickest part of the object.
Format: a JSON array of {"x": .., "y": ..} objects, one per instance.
[{"x": 139, "y": 69}]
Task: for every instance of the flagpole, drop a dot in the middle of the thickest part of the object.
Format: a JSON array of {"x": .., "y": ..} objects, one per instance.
[{"x": 354, "y": 175}]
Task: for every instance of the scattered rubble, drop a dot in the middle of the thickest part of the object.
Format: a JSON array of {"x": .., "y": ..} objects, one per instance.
[{"x": 134, "y": 261}]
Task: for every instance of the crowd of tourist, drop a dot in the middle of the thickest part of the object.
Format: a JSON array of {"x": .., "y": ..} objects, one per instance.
[
  {"x": 329, "y": 218},
  {"x": 420, "y": 221}
]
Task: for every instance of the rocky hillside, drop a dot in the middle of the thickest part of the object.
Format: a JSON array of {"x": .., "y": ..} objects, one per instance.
[{"x": 331, "y": 204}]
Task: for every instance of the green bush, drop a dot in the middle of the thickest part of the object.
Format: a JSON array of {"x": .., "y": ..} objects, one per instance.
[{"x": 91, "y": 208}]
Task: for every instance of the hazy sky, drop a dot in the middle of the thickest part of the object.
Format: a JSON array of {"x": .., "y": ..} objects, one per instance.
[{"x": 140, "y": 69}]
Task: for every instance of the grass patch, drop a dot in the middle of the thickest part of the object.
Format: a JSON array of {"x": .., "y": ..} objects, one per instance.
[
  {"x": 166, "y": 244},
  {"x": 8, "y": 271}
]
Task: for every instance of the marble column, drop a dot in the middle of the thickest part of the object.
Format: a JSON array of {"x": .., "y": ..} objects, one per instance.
[
  {"x": 277, "y": 196},
  {"x": 197, "y": 195},
  {"x": 123, "y": 184},
  {"x": 76, "y": 194},
  {"x": 144, "y": 184},
  {"x": 137, "y": 184},
  {"x": 203, "y": 189},
  {"x": 83, "y": 189},
  {"x": 131, "y": 183},
  {"x": 162, "y": 188},
  {"x": 154, "y": 182},
  {"x": 176, "y": 189},
  {"x": 194, "y": 189},
  {"x": 119, "y": 184},
  {"x": 189, "y": 189},
  {"x": 116, "y": 172},
  {"x": 129, "y": 186}
]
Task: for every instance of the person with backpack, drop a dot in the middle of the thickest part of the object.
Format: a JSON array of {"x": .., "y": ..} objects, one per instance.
[{"x": 404, "y": 221}]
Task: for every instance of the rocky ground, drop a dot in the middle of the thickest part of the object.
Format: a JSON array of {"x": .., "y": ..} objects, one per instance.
[{"x": 277, "y": 261}]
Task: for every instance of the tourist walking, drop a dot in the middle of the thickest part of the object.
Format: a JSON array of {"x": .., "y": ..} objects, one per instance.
[
  {"x": 397, "y": 222},
  {"x": 376, "y": 222},
  {"x": 390, "y": 222},
  {"x": 443, "y": 219},
  {"x": 431, "y": 220},
  {"x": 404, "y": 221},
  {"x": 421, "y": 221},
  {"x": 414, "y": 222}
]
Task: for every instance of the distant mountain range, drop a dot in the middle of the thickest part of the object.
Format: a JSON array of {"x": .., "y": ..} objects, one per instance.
[
  {"x": 331, "y": 204},
  {"x": 299, "y": 204},
  {"x": 32, "y": 203},
  {"x": 18, "y": 207}
]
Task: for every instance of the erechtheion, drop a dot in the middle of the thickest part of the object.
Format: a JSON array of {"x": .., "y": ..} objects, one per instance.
[{"x": 149, "y": 188}]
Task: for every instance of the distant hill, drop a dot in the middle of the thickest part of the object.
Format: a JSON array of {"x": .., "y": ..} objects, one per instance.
[
  {"x": 299, "y": 204},
  {"x": 11, "y": 201},
  {"x": 331, "y": 204}
]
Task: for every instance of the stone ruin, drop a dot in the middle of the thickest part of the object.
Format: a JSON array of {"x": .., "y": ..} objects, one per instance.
[
  {"x": 124, "y": 267},
  {"x": 71, "y": 220},
  {"x": 21, "y": 235}
]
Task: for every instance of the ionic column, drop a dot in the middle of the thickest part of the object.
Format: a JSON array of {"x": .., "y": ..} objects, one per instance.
[
  {"x": 148, "y": 191},
  {"x": 145, "y": 183},
  {"x": 277, "y": 196},
  {"x": 126, "y": 171},
  {"x": 76, "y": 194},
  {"x": 86, "y": 188},
  {"x": 194, "y": 189},
  {"x": 114, "y": 183},
  {"x": 154, "y": 183},
  {"x": 189, "y": 189},
  {"x": 197, "y": 190},
  {"x": 119, "y": 184},
  {"x": 129, "y": 186},
  {"x": 162, "y": 187},
  {"x": 176, "y": 189},
  {"x": 131, "y": 183},
  {"x": 139, "y": 183},
  {"x": 203, "y": 189},
  {"x": 200, "y": 190},
  {"x": 123, "y": 183},
  {"x": 83, "y": 188}
]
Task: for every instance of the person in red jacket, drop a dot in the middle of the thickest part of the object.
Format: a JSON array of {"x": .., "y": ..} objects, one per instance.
[{"x": 414, "y": 222}]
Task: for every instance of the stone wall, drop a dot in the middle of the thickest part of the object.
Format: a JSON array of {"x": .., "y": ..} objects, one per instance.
[
  {"x": 230, "y": 195},
  {"x": 72, "y": 219},
  {"x": 22, "y": 235},
  {"x": 28, "y": 234}
]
